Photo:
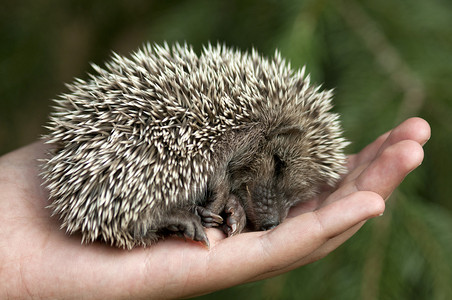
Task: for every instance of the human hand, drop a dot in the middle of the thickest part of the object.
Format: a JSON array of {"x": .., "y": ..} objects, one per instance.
[{"x": 37, "y": 259}]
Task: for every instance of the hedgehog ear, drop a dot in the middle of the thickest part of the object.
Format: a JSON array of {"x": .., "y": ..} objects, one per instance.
[{"x": 286, "y": 130}]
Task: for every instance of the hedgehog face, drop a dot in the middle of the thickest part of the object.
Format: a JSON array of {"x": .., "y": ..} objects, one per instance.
[
  {"x": 277, "y": 177},
  {"x": 265, "y": 202}
]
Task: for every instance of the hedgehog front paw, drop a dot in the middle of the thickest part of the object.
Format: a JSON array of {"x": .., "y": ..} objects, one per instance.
[
  {"x": 209, "y": 218},
  {"x": 230, "y": 208},
  {"x": 185, "y": 224},
  {"x": 236, "y": 217}
]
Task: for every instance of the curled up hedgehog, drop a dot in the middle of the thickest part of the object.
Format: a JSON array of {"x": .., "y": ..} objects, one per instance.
[{"x": 166, "y": 142}]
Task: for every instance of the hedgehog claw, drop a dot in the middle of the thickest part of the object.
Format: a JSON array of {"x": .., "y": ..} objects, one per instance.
[
  {"x": 202, "y": 237},
  {"x": 236, "y": 217}
]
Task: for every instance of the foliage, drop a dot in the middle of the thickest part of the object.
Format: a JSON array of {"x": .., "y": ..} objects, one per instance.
[{"x": 387, "y": 60}]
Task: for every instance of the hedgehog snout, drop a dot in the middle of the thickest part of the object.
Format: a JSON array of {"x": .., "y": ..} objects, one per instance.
[
  {"x": 265, "y": 211},
  {"x": 270, "y": 224},
  {"x": 266, "y": 220},
  {"x": 276, "y": 216}
]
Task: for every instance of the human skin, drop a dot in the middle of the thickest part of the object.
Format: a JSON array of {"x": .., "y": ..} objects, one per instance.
[{"x": 39, "y": 261}]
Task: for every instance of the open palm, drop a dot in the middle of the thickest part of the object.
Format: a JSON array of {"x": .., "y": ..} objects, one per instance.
[{"x": 37, "y": 259}]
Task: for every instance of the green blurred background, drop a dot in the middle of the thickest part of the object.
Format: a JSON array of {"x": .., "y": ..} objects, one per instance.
[{"x": 387, "y": 60}]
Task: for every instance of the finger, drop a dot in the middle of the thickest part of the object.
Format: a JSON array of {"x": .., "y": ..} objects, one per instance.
[
  {"x": 368, "y": 153},
  {"x": 391, "y": 166},
  {"x": 415, "y": 129},
  {"x": 331, "y": 245},
  {"x": 381, "y": 176},
  {"x": 309, "y": 232},
  {"x": 384, "y": 173}
]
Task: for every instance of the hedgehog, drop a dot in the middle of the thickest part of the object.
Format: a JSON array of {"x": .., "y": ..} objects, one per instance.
[{"x": 168, "y": 142}]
